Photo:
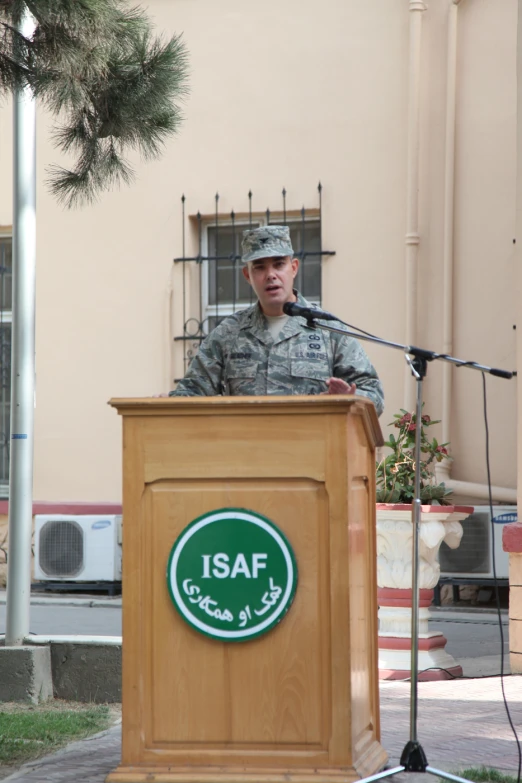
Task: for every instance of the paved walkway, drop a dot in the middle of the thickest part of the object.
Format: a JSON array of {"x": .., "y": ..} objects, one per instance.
[{"x": 461, "y": 723}]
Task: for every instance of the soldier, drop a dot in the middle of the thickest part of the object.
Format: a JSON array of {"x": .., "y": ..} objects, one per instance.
[{"x": 262, "y": 351}]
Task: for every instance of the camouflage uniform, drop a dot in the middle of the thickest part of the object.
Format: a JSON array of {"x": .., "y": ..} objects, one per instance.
[{"x": 240, "y": 357}]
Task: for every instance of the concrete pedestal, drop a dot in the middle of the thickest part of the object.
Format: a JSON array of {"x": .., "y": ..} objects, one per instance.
[
  {"x": 394, "y": 578},
  {"x": 25, "y": 674},
  {"x": 395, "y": 643}
]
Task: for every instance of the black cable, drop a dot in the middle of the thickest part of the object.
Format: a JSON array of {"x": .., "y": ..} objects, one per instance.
[
  {"x": 358, "y": 329},
  {"x": 497, "y": 594},
  {"x": 451, "y": 675}
]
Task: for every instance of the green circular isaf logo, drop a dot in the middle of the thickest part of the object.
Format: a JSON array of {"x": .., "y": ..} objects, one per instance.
[{"x": 232, "y": 574}]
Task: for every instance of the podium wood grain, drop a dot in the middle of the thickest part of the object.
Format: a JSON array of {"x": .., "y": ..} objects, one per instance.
[{"x": 299, "y": 703}]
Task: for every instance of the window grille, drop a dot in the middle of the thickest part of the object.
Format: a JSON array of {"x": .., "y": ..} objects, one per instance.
[{"x": 221, "y": 287}]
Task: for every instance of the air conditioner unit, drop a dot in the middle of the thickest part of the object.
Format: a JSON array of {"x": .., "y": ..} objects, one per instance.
[
  {"x": 77, "y": 548},
  {"x": 474, "y": 556}
]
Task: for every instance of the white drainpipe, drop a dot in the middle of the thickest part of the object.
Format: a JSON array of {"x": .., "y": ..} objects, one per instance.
[
  {"x": 412, "y": 190},
  {"x": 449, "y": 218},
  {"x": 463, "y": 488},
  {"x": 479, "y": 491}
]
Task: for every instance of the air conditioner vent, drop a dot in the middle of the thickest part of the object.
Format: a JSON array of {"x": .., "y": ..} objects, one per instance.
[
  {"x": 77, "y": 547},
  {"x": 61, "y": 549},
  {"x": 481, "y": 542}
]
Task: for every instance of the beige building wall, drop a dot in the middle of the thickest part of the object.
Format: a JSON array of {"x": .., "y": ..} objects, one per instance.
[{"x": 287, "y": 94}]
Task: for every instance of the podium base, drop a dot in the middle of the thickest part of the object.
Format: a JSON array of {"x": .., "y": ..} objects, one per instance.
[{"x": 373, "y": 760}]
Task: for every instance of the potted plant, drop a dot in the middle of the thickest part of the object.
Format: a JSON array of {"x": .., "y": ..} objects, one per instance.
[
  {"x": 439, "y": 522},
  {"x": 396, "y": 471}
]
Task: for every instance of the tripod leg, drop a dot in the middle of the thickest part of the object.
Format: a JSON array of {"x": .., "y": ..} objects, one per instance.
[
  {"x": 446, "y": 775},
  {"x": 387, "y": 773}
]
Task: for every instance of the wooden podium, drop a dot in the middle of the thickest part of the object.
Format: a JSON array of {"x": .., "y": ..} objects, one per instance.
[{"x": 299, "y": 702}]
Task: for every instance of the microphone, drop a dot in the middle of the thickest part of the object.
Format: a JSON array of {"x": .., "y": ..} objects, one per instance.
[{"x": 292, "y": 308}]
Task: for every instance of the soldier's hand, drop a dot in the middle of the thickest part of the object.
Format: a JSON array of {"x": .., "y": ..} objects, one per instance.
[{"x": 338, "y": 386}]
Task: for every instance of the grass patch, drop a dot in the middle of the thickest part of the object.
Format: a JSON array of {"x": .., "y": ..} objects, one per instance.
[
  {"x": 27, "y": 732},
  {"x": 486, "y": 775}
]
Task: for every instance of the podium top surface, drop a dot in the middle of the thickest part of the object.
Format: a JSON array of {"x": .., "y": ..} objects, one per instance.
[{"x": 265, "y": 405}]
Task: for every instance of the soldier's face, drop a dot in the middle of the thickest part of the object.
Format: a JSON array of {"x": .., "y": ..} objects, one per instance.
[{"x": 272, "y": 280}]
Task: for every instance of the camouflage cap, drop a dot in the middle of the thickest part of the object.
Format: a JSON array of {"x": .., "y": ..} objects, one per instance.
[{"x": 266, "y": 242}]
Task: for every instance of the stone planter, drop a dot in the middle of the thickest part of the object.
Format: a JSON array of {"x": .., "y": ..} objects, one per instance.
[{"x": 394, "y": 575}]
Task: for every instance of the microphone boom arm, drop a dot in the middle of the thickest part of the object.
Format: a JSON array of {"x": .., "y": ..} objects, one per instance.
[{"x": 412, "y": 350}]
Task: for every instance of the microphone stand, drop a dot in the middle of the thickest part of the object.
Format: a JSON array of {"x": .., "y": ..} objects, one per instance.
[{"x": 413, "y": 758}]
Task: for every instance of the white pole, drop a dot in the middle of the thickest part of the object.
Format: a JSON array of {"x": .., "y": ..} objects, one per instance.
[
  {"x": 417, "y": 7},
  {"x": 22, "y": 360},
  {"x": 449, "y": 219}
]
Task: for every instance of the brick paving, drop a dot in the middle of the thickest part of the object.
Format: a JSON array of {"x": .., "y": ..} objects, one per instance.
[{"x": 460, "y": 723}]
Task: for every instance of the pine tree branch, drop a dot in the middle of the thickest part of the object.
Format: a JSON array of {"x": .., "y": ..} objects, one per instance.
[{"x": 99, "y": 70}]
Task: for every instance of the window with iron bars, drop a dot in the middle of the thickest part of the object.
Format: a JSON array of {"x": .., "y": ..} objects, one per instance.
[
  {"x": 222, "y": 289},
  {"x": 6, "y": 303},
  {"x": 226, "y": 289}
]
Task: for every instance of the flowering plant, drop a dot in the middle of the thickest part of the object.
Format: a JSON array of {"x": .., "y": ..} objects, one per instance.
[{"x": 396, "y": 472}]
